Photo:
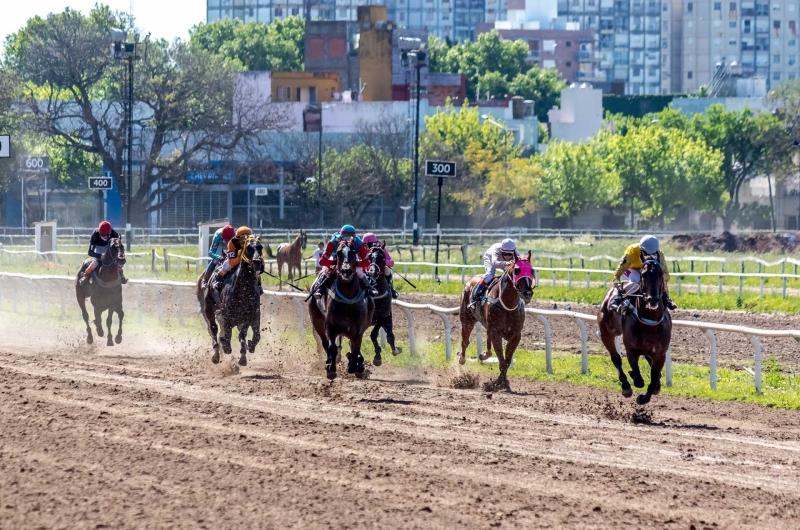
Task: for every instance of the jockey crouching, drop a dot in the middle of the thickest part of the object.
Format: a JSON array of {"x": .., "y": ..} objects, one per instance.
[
  {"x": 328, "y": 263},
  {"x": 98, "y": 245},
  {"x": 498, "y": 256},
  {"x": 234, "y": 254},
  {"x": 217, "y": 251},
  {"x": 371, "y": 240},
  {"x": 631, "y": 266}
]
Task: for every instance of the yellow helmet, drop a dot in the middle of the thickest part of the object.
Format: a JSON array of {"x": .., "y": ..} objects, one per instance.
[{"x": 243, "y": 231}]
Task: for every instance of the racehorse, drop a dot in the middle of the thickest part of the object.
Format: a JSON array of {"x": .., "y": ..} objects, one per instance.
[
  {"x": 383, "y": 304},
  {"x": 239, "y": 306},
  {"x": 502, "y": 316},
  {"x": 347, "y": 312},
  {"x": 105, "y": 290},
  {"x": 291, "y": 254},
  {"x": 646, "y": 331}
]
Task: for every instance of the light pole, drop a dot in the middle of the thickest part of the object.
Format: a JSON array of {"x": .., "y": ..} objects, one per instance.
[
  {"x": 503, "y": 128},
  {"x": 414, "y": 54},
  {"x": 405, "y": 215},
  {"x": 126, "y": 51},
  {"x": 319, "y": 108}
]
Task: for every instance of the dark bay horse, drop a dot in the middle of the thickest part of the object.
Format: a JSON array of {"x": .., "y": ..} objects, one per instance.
[
  {"x": 348, "y": 312},
  {"x": 105, "y": 291},
  {"x": 383, "y": 304},
  {"x": 502, "y": 316},
  {"x": 291, "y": 254},
  {"x": 646, "y": 331},
  {"x": 240, "y": 304}
]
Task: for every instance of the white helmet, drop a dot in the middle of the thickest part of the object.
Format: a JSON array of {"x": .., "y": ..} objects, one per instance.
[
  {"x": 649, "y": 244},
  {"x": 508, "y": 246}
]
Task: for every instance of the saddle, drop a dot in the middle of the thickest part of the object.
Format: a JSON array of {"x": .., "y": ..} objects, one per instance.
[{"x": 485, "y": 297}]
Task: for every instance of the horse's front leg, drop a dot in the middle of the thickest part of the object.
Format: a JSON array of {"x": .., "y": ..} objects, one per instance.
[
  {"x": 377, "y": 361},
  {"x": 607, "y": 337},
  {"x": 654, "y": 388},
  {"x": 355, "y": 364},
  {"x": 225, "y": 337},
  {"x": 635, "y": 373},
  {"x": 109, "y": 320},
  {"x": 496, "y": 339},
  {"x": 118, "y": 338},
  {"x": 331, "y": 352},
  {"x": 98, "y": 321},
  {"x": 256, "y": 327},
  {"x": 243, "y": 344},
  {"x": 467, "y": 325}
]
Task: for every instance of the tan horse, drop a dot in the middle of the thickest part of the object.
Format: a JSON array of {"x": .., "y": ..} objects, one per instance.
[{"x": 291, "y": 254}]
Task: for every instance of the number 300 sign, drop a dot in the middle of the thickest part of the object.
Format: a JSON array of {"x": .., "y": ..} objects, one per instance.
[{"x": 435, "y": 168}]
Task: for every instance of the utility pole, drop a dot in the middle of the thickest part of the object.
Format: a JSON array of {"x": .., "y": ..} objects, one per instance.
[{"x": 414, "y": 54}]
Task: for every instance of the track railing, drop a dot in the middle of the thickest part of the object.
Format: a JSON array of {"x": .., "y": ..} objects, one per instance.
[{"x": 543, "y": 315}]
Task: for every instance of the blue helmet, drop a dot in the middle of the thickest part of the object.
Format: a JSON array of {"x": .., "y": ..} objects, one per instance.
[{"x": 348, "y": 230}]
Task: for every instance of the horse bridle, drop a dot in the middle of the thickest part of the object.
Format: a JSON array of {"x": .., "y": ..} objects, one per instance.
[
  {"x": 244, "y": 257},
  {"x": 642, "y": 320}
]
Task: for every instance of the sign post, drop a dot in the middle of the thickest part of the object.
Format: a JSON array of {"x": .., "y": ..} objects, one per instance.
[
  {"x": 101, "y": 183},
  {"x": 440, "y": 170},
  {"x": 34, "y": 164}
]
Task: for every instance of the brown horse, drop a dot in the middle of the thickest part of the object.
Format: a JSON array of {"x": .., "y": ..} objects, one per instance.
[
  {"x": 502, "y": 316},
  {"x": 105, "y": 291},
  {"x": 291, "y": 254},
  {"x": 646, "y": 331},
  {"x": 347, "y": 312}
]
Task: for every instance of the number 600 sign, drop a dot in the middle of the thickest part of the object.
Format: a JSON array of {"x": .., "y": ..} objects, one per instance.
[{"x": 436, "y": 168}]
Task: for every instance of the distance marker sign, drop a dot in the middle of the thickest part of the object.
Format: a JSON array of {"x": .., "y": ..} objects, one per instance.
[
  {"x": 435, "y": 168},
  {"x": 101, "y": 183},
  {"x": 5, "y": 147}
]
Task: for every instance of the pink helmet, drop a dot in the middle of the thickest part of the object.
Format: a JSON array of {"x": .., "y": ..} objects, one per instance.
[{"x": 369, "y": 237}]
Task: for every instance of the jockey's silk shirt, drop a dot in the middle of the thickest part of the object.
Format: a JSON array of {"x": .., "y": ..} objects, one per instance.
[{"x": 632, "y": 259}]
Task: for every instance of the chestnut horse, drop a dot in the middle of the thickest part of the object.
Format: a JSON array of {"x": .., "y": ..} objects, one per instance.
[
  {"x": 502, "y": 316},
  {"x": 105, "y": 290},
  {"x": 347, "y": 313},
  {"x": 646, "y": 331},
  {"x": 291, "y": 254}
]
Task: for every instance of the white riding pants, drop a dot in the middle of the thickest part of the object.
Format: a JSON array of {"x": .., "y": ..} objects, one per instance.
[{"x": 488, "y": 266}]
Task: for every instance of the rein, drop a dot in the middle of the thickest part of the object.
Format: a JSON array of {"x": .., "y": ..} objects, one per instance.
[
  {"x": 337, "y": 295},
  {"x": 499, "y": 299},
  {"x": 641, "y": 319}
]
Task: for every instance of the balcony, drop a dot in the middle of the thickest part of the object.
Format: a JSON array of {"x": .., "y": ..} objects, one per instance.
[
  {"x": 749, "y": 12},
  {"x": 534, "y": 55},
  {"x": 584, "y": 55}
]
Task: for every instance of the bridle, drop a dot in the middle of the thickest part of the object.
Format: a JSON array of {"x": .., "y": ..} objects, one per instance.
[
  {"x": 641, "y": 296},
  {"x": 509, "y": 273},
  {"x": 257, "y": 259}
]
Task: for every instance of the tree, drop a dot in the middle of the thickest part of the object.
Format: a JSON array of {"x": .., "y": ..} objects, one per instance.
[
  {"x": 493, "y": 84},
  {"x": 575, "y": 177},
  {"x": 184, "y": 110},
  {"x": 664, "y": 172},
  {"x": 750, "y": 145},
  {"x": 543, "y": 86},
  {"x": 278, "y": 46}
]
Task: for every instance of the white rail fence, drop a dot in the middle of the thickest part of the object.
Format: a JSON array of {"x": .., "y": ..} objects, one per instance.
[{"x": 181, "y": 290}]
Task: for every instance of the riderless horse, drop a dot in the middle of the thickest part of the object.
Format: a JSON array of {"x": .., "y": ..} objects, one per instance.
[
  {"x": 646, "y": 331},
  {"x": 239, "y": 305},
  {"x": 346, "y": 312},
  {"x": 382, "y": 318},
  {"x": 290, "y": 254},
  {"x": 502, "y": 315},
  {"x": 105, "y": 290}
]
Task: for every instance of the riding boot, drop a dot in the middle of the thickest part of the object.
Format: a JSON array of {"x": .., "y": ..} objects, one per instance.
[
  {"x": 122, "y": 277},
  {"x": 668, "y": 302},
  {"x": 368, "y": 285},
  {"x": 323, "y": 286},
  {"x": 477, "y": 294},
  {"x": 390, "y": 281}
]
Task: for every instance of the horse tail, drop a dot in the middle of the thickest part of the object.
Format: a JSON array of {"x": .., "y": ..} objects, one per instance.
[{"x": 269, "y": 251}]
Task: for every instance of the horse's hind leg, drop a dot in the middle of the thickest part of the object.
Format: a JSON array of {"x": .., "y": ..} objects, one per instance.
[
  {"x": 654, "y": 388},
  {"x": 98, "y": 322},
  {"x": 213, "y": 330},
  {"x": 635, "y": 373},
  {"x": 331, "y": 353},
  {"x": 377, "y": 361},
  {"x": 467, "y": 325},
  {"x": 611, "y": 345},
  {"x": 118, "y": 338},
  {"x": 109, "y": 320},
  {"x": 497, "y": 343},
  {"x": 388, "y": 326},
  {"x": 85, "y": 315},
  {"x": 256, "y": 327},
  {"x": 243, "y": 344}
]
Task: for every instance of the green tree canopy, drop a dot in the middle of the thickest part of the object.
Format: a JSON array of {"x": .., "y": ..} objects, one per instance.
[
  {"x": 278, "y": 46},
  {"x": 541, "y": 85}
]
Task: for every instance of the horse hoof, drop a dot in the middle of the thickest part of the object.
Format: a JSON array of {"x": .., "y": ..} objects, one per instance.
[
  {"x": 397, "y": 351},
  {"x": 627, "y": 392},
  {"x": 377, "y": 361},
  {"x": 331, "y": 376},
  {"x": 642, "y": 399},
  {"x": 215, "y": 358},
  {"x": 109, "y": 342},
  {"x": 242, "y": 361},
  {"x": 656, "y": 391},
  {"x": 118, "y": 339},
  {"x": 485, "y": 355},
  {"x": 462, "y": 359},
  {"x": 100, "y": 333},
  {"x": 89, "y": 339}
]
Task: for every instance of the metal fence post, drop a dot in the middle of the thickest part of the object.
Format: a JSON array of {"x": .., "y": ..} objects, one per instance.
[
  {"x": 757, "y": 358},
  {"x": 301, "y": 332},
  {"x": 548, "y": 352},
  {"x": 669, "y": 367},
  {"x": 447, "y": 342},
  {"x": 712, "y": 358},
  {"x": 411, "y": 341},
  {"x": 584, "y": 346}
]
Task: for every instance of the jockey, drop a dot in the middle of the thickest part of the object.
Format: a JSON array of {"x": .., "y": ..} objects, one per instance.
[
  {"x": 328, "y": 262},
  {"x": 631, "y": 265},
  {"x": 98, "y": 245},
  {"x": 498, "y": 256},
  {"x": 234, "y": 254},
  {"x": 371, "y": 240},
  {"x": 216, "y": 251}
]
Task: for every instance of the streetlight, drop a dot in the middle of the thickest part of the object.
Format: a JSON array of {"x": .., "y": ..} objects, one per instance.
[
  {"x": 126, "y": 51},
  {"x": 503, "y": 128},
  {"x": 413, "y": 54},
  {"x": 405, "y": 214},
  {"x": 319, "y": 109}
]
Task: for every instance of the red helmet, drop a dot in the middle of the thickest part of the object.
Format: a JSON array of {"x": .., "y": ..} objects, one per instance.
[
  {"x": 104, "y": 228},
  {"x": 228, "y": 232}
]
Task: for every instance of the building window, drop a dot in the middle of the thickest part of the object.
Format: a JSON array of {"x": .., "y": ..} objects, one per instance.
[
  {"x": 690, "y": 74},
  {"x": 793, "y": 42},
  {"x": 295, "y": 11},
  {"x": 793, "y": 28},
  {"x": 284, "y": 93},
  {"x": 792, "y": 60},
  {"x": 776, "y": 76},
  {"x": 791, "y": 77},
  {"x": 776, "y": 59},
  {"x": 278, "y": 11},
  {"x": 747, "y": 26},
  {"x": 732, "y": 42},
  {"x": 689, "y": 7},
  {"x": 732, "y": 24},
  {"x": 717, "y": 6},
  {"x": 732, "y": 8}
]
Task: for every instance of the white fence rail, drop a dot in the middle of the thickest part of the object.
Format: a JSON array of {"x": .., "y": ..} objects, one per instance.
[{"x": 580, "y": 319}]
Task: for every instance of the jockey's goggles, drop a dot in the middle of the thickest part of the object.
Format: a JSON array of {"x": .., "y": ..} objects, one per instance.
[{"x": 347, "y": 238}]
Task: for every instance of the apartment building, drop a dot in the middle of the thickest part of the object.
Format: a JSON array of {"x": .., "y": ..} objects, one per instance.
[
  {"x": 748, "y": 38},
  {"x": 269, "y": 10},
  {"x": 633, "y": 40},
  {"x": 452, "y": 19}
]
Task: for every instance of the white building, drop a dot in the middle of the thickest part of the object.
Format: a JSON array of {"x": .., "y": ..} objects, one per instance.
[
  {"x": 269, "y": 10},
  {"x": 580, "y": 116}
]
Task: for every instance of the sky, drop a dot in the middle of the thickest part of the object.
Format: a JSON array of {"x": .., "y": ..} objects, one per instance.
[{"x": 162, "y": 18}]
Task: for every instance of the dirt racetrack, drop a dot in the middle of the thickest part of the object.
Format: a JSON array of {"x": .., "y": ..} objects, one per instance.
[{"x": 141, "y": 436}]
